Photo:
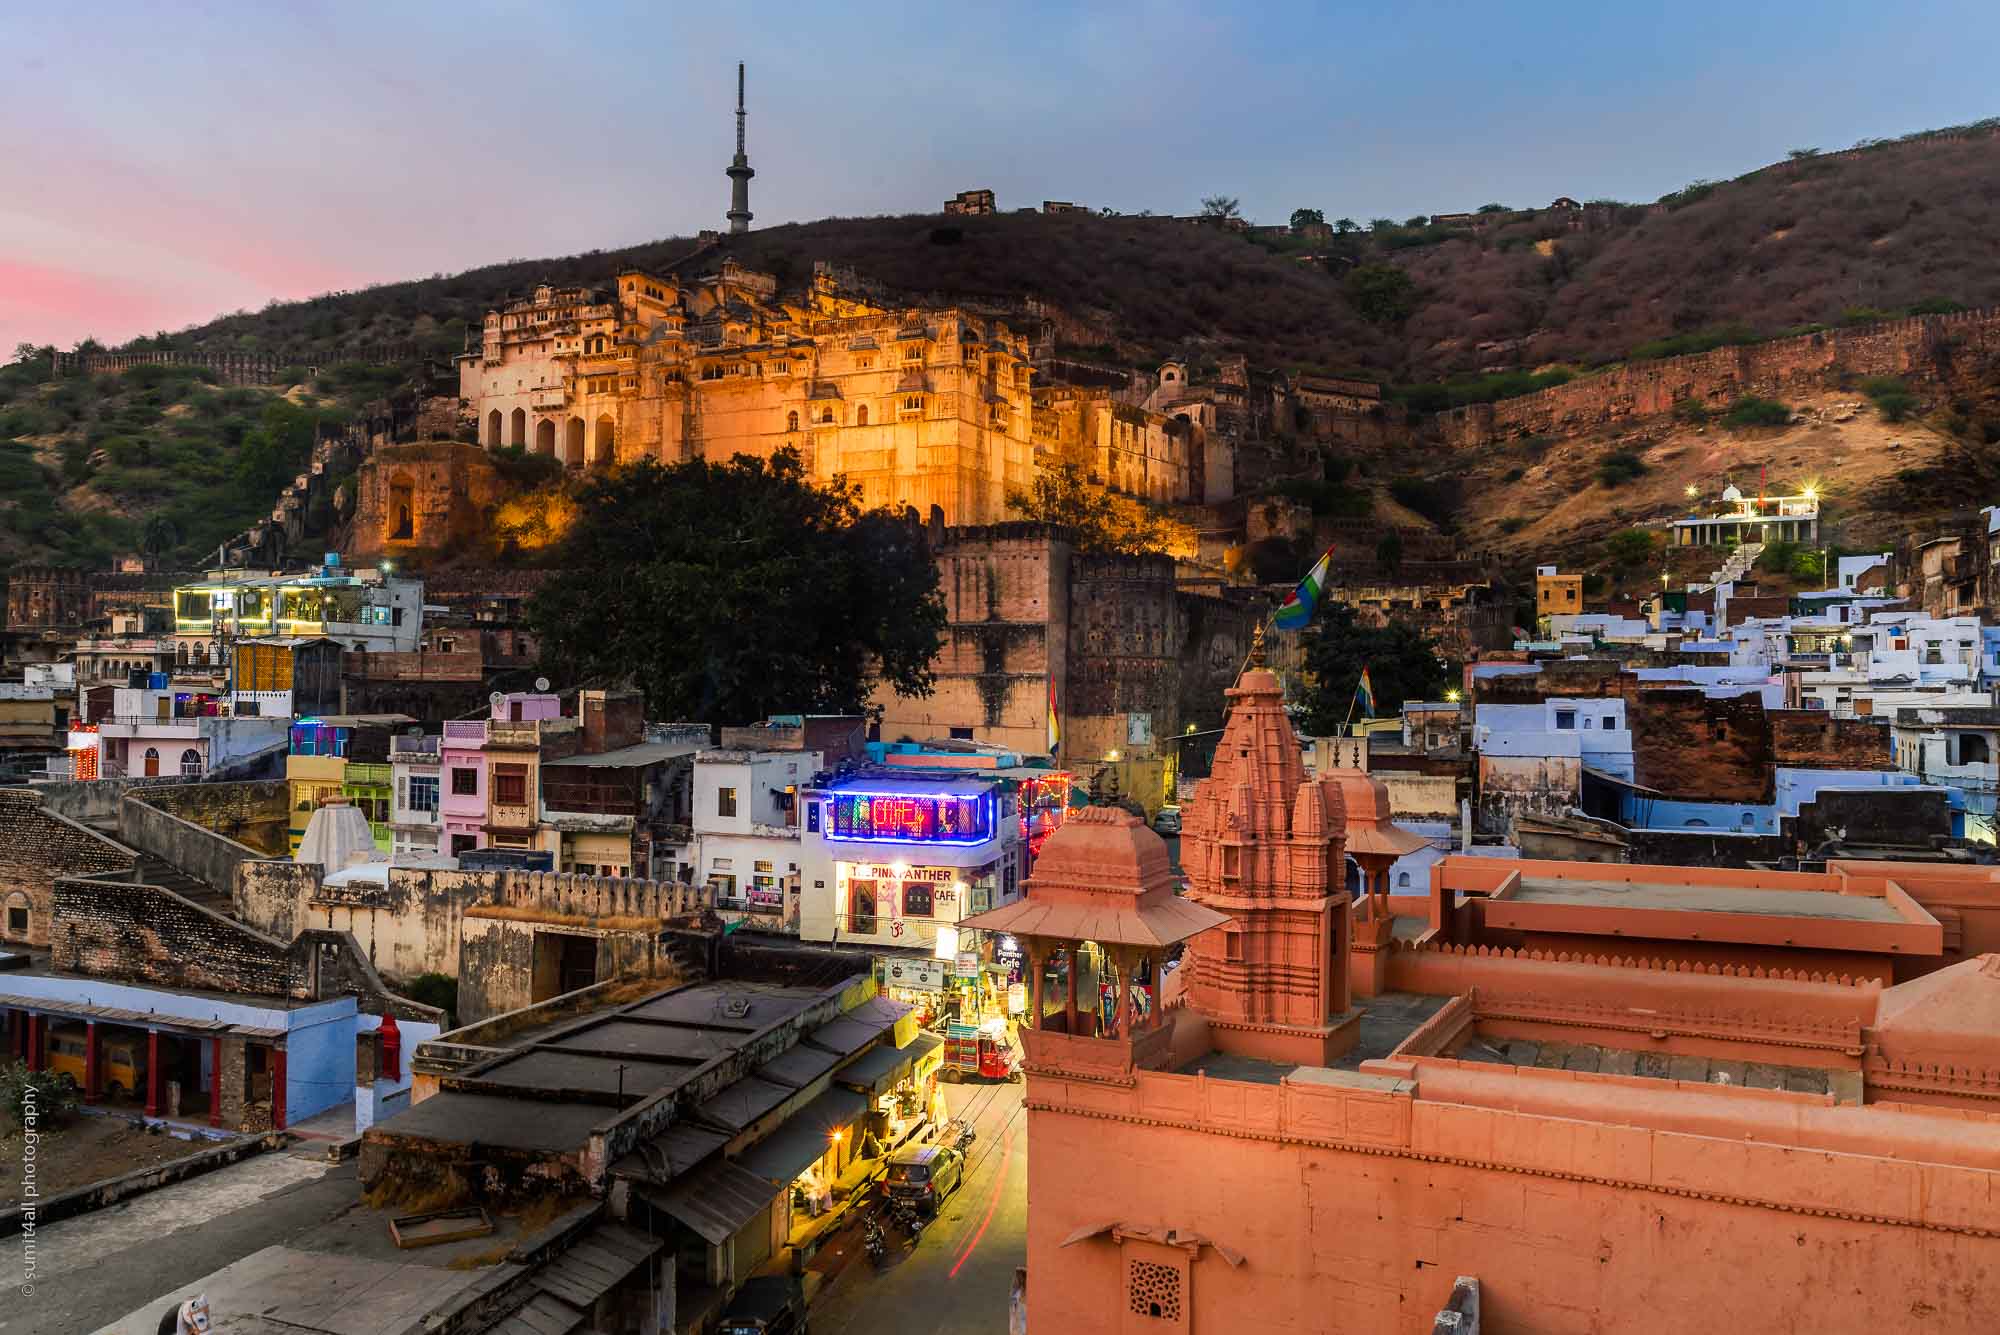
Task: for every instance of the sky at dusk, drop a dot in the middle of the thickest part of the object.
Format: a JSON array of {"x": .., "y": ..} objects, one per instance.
[{"x": 169, "y": 162}]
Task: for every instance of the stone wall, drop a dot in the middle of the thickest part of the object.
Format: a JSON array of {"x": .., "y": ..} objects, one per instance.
[
  {"x": 1814, "y": 739},
  {"x": 1923, "y": 349},
  {"x": 1126, "y": 637},
  {"x": 425, "y": 497},
  {"x": 144, "y": 934},
  {"x": 38, "y": 847},
  {"x": 425, "y": 920},
  {"x": 185, "y": 826},
  {"x": 1006, "y": 593},
  {"x": 1688, "y": 746},
  {"x": 134, "y": 933}
]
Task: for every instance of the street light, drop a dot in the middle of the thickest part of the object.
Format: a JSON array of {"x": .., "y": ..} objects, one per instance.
[
  {"x": 1693, "y": 491},
  {"x": 1451, "y": 696}
]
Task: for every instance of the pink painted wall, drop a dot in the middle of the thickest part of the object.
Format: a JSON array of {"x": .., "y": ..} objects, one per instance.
[{"x": 1571, "y": 1226}]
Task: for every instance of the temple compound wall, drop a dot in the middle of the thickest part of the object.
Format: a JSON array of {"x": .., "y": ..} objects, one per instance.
[{"x": 1370, "y": 1202}]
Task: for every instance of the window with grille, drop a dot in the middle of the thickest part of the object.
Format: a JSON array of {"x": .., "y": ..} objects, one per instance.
[{"x": 1154, "y": 1290}]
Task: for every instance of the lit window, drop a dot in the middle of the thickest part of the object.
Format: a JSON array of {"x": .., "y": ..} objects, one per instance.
[{"x": 725, "y": 801}]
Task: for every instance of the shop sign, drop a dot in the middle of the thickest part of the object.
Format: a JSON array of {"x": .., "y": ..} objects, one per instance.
[
  {"x": 930, "y": 875},
  {"x": 967, "y": 964},
  {"x": 916, "y": 975}
]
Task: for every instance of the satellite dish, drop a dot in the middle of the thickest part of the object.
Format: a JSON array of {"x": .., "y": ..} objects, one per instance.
[
  {"x": 497, "y": 699},
  {"x": 541, "y": 683}
]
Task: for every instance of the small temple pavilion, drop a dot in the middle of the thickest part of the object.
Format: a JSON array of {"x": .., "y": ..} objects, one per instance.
[{"x": 1103, "y": 879}]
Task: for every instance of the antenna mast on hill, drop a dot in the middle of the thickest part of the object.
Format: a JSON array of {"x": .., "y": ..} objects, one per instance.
[{"x": 739, "y": 172}]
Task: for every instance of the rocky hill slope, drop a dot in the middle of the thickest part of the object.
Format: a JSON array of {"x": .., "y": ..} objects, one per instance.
[{"x": 1451, "y": 311}]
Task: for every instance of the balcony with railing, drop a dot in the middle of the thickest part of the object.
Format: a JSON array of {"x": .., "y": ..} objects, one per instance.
[
  {"x": 414, "y": 749},
  {"x": 465, "y": 732}
]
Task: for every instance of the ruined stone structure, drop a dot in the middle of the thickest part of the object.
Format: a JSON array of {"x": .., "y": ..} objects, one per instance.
[
  {"x": 927, "y": 408},
  {"x": 38, "y": 848},
  {"x": 1130, "y": 657},
  {"x": 427, "y": 496},
  {"x": 1922, "y": 349},
  {"x": 46, "y": 597}
]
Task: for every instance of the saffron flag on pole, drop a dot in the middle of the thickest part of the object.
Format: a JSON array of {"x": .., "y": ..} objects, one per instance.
[
  {"x": 1296, "y": 613},
  {"x": 1055, "y": 719},
  {"x": 1364, "y": 691}
]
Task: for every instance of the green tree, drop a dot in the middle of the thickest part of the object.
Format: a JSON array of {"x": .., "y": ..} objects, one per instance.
[
  {"x": 1403, "y": 664},
  {"x": 1102, "y": 522},
  {"x": 1630, "y": 547},
  {"x": 1307, "y": 218},
  {"x": 1221, "y": 206},
  {"x": 731, "y": 591},
  {"x": 1381, "y": 293},
  {"x": 1345, "y": 226},
  {"x": 160, "y": 536},
  {"x": 1389, "y": 551},
  {"x": 277, "y": 449}
]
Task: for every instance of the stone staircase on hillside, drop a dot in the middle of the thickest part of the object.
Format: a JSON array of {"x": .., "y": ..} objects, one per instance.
[{"x": 1735, "y": 567}]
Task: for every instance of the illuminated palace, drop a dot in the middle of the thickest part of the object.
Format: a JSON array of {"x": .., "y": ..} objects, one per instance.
[{"x": 918, "y": 407}]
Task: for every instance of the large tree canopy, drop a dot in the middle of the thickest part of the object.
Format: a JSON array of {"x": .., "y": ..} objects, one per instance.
[
  {"x": 1102, "y": 521},
  {"x": 1402, "y": 665},
  {"x": 732, "y": 591}
]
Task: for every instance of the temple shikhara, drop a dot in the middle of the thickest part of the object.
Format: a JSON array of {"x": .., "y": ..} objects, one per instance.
[{"x": 1541, "y": 1096}]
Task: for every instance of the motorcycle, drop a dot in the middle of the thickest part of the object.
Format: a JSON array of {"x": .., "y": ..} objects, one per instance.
[
  {"x": 906, "y": 1215},
  {"x": 873, "y": 1242},
  {"x": 959, "y": 1135}
]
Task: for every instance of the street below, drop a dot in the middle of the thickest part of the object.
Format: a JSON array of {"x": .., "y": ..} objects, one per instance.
[{"x": 959, "y": 1275}]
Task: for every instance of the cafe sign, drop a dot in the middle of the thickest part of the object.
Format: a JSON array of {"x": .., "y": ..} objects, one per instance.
[{"x": 914, "y": 974}]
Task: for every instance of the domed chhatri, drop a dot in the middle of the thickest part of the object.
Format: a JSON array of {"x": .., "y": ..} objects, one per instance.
[{"x": 1104, "y": 878}]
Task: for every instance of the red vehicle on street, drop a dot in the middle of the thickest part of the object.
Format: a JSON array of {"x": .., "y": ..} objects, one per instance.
[{"x": 979, "y": 1052}]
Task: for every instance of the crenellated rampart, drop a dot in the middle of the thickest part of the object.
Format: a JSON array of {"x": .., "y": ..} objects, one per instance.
[{"x": 1918, "y": 348}]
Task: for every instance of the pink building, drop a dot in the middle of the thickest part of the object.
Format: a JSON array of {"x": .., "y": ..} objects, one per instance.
[
  {"x": 462, "y": 794},
  {"x": 1550, "y": 1097}
]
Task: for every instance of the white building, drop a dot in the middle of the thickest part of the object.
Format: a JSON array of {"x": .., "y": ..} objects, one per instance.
[
  {"x": 367, "y": 611},
  {"x": 144, "y": 737},
  {"x": 415, "y": 782},
  {"x": 1955, "y": 748},
  {"x": 746, "y": 830},
  {"x": 895, "y": 860}
]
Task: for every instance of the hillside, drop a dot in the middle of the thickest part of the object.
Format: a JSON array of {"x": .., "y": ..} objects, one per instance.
[{"x": 1447, "y": 313}]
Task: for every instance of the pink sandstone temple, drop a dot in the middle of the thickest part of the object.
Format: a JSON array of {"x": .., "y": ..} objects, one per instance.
[{"x": 1546, "y": 1096}]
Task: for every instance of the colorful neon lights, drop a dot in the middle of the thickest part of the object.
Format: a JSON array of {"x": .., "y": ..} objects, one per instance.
[{"x": 910, "y": 818}]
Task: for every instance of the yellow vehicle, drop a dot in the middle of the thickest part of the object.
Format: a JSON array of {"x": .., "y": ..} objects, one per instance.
[{"x": 121, "y": 1060}]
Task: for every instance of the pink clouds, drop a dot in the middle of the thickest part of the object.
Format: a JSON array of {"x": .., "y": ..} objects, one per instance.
[{"x": 44, "y": 303}]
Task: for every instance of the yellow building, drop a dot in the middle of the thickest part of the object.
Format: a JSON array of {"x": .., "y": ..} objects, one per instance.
[
  {"x": 1557, "y": 594},
  {"x": 917, "y": 406}
]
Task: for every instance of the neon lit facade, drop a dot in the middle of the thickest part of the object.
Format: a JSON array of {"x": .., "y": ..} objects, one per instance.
[{"x": 909, "y": 818}]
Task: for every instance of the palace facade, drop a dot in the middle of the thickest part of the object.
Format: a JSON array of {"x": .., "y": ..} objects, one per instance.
[{"x": 922, "y": 407}]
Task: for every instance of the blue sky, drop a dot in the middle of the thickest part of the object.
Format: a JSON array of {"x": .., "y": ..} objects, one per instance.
[{"x": 166, "y": 163}]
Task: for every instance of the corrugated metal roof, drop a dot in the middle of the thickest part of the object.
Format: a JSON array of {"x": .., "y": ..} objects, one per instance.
[
  {"x": 715, "y": 1202},
  {"x": 805, "y": 1136},
  {"x": 877, "y": 1070},
  {"x": 737, "y": 1106},
  {"x": 597, "y": 1263},
  {"x": 142, "y": 1019},
  {"x": 545, "y": 1314}
]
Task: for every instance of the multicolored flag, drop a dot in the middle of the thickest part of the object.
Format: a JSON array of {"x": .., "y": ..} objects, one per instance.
[
  {"x": 1364, "y": 693},
  {"x": 1055, "y": 719},
  {"x": 1296, "y": 613}
]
